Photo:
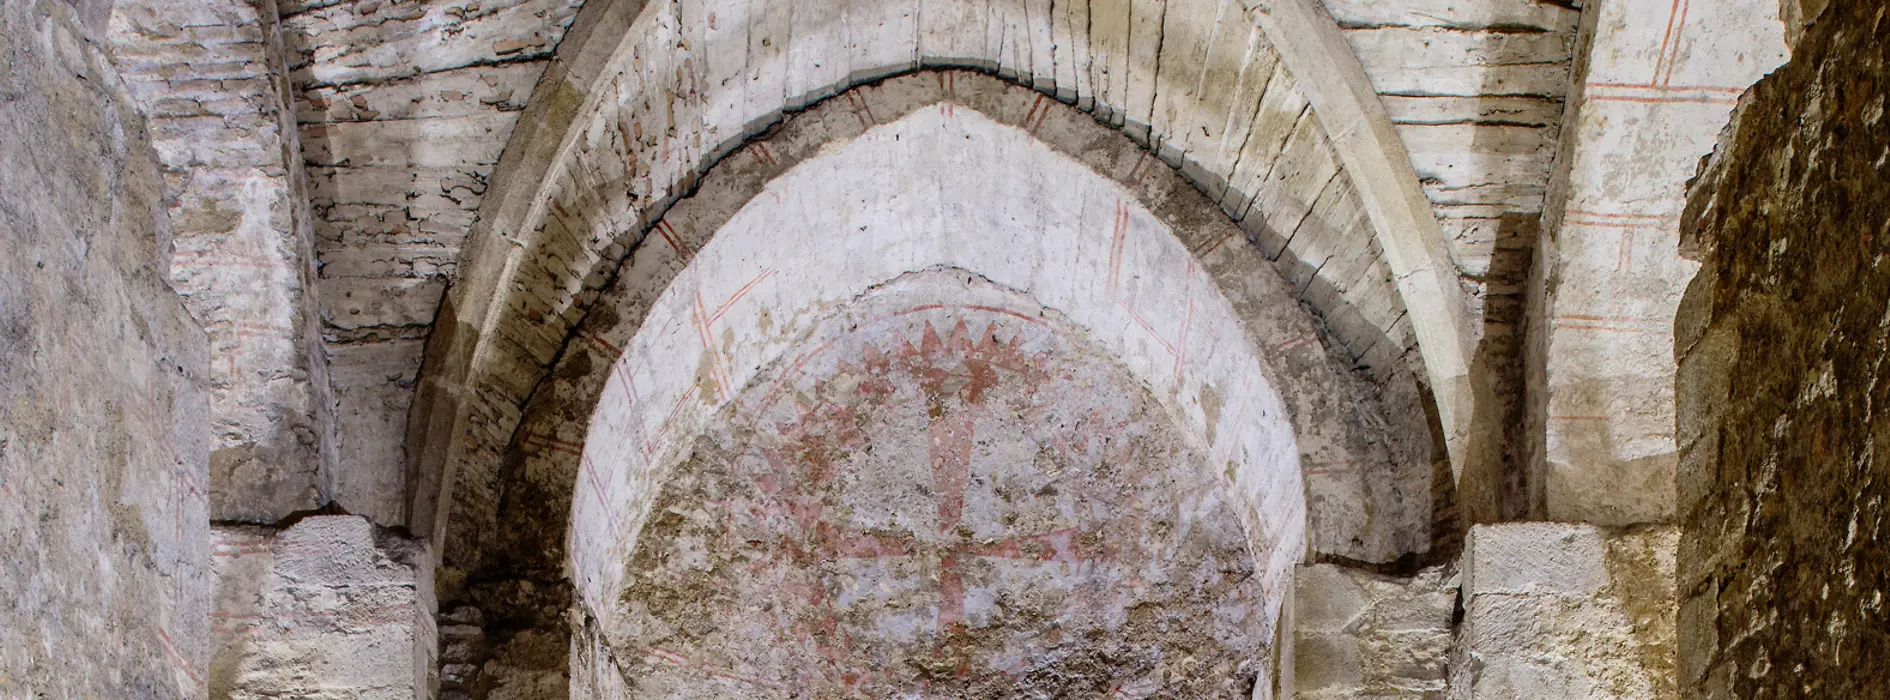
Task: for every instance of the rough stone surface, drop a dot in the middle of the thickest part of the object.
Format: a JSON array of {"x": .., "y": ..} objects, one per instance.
[
  {"x": 209, "y": 77},
  {"x": 104, "y": 397},
  {"x": 1553, "y": 610},
  {"x": 1358, "y": 634},
  {"x": 1782, "y": 341},
  {"x": 332, "y": 607}
]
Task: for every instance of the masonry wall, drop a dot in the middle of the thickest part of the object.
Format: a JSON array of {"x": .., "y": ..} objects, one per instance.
[
  {"x": 208, "y": 75},
  {"x": 104, "y": 402},
  {"x": 1782, "y": 343}
]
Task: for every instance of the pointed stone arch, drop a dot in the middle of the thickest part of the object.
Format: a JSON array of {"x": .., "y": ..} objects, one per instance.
[
  {"x": 1361, "y": 435},
  {"x": 605, "y": 125}
]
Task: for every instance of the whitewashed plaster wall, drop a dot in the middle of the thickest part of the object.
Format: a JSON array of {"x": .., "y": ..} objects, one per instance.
[{"x": 1661, "y": 79}]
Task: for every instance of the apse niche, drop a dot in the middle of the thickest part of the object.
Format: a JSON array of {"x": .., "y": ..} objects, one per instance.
[
  {"x": 922, "y": 452},
  {"x": 949, "y": 489}
]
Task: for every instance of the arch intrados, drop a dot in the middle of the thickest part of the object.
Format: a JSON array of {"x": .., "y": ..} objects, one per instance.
[
  {"x": 473, "y": 387},
  {"x": 901, "y": 197},
  {"x": 1341, "y": 418}
]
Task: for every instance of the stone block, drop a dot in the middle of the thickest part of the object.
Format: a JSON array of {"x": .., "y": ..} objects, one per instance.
[
  {"x": 1534, "y": 558},
  {"x": 1326, "y": 661},
  {"x": 331, "y": 607},
  {"x": 1326, "y": 598}
]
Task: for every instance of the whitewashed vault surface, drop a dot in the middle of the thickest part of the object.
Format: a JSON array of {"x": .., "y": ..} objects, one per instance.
[{"x": 837, "y": 226}]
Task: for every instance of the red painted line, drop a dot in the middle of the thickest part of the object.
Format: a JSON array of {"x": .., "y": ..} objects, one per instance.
[
  {"x": 1604, "y": 329},
  {"x": 669, "y": 236},
  {"x": 1669, "y": 88},
  {"x": 1141, "y": 161},
  {"x": 1031, "y": 116},
  {"x": 762, "y": 154},
  {"x": 1613, "y": 215},
  {"x": 1116, "y": 244},
  {"x": 1666, "y": 38},
  {"x": 707, "y": 335},
  {"x": 1187, "y": 319},
  {"x": 862, "y": 107},
  {"x": 628, "y": 381},
  {"x": 1678, "y": 31},
  {"x": 667, "y": 656},
  {"x": 1146, "y": 327},
  {"x": 614, "y": 351},
  {"x": 649, "y": 446},
  {"x": 1033, "y": 320},
  {"x": 589, "y": 469},
  {"x": 1624, "y": 258},
  {"x": 1666, "y": 100},
  {"x": 765, "y": 274},
  {"x": 177, "y": 657},
  {"x": 1629, "y": 225},
  {"x": 1039, "y": 111},
  {"x": 1294, "y": 344},
  {"x": 1616, "y": 319},
  {"x": 1216, "y": 245}
]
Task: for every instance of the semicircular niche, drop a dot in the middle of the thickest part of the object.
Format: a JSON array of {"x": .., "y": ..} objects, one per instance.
[
  {"x": 939, "y": 406},
  {"x": 944, "y": 489}
]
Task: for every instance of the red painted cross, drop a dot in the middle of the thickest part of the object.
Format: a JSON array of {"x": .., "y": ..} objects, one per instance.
[{"x": 950, "y": 438}]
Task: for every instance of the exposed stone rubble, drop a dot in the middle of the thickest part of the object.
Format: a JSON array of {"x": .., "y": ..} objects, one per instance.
[
  {"x": 1781, "y": 341},
  {"x": 208, "y": 75}
]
